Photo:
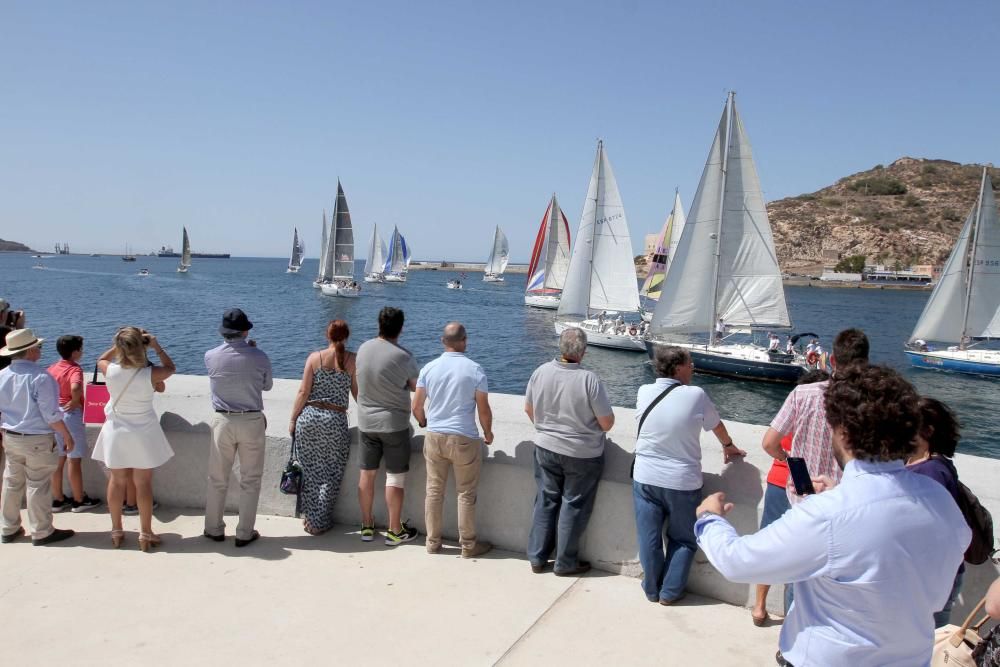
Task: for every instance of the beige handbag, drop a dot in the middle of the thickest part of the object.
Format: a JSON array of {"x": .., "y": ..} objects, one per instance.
[{"x": 953, "y": 645}]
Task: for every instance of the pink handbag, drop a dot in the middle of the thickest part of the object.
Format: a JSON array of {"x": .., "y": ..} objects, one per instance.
[{"x": 96, "y": 396}]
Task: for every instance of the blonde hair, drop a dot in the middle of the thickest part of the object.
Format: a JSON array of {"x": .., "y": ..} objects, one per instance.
[{"x": 130, "y": 348}]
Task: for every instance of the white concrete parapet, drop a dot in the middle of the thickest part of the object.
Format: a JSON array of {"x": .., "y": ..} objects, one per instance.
[{"x": 507, "y": 487}]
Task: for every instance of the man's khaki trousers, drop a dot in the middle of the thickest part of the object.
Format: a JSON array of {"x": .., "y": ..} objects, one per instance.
[
  {"x": 442, "y": 452},
  {"x": 235, "y": 436}
]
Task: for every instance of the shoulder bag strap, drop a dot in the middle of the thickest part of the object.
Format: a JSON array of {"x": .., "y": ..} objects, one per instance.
[
  {"x": 642, "y": 420},
  {"x": 124, "y": 389},
  {"x": 94, "y": 380},
  {"x": 959, "y": 635}
]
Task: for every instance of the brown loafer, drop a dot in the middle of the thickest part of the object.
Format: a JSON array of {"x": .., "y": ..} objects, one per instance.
[
  {"x": 254, "y": 536},
  {"x": 478, "y": 550},
  {"x": 582, "y": 566}
]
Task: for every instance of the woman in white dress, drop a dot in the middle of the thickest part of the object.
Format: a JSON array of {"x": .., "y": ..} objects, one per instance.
[{"x": 131, "y": 441}]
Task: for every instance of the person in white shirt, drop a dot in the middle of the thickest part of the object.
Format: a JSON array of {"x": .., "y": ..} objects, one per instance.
[
  {"x": 773, "y": 342},
  {"x": 872, "y": 559}
]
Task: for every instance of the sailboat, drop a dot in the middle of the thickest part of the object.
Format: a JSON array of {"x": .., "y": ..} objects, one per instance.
[
  {"x": 725, "y": 270},
  {"x": 964, "y": 307},
  {"x": 185, "y": 263},
  {"x": 549, "y": 259},
  {"x": 323, "y": 276},
  {"x": 601, "y": 277},
  {"x": 375, "y": 263},
  {"x": 128, "y": 256},
  {"x": 397, "y": 262},
  {"x": 499, "y": 256},
  {"x": 295, "y": 261},
  {"x": 340, "y": 251},
  {"x": 663, "y": 254}
]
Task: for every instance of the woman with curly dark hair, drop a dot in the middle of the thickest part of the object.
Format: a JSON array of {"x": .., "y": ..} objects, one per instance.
[{"x": 866, "y": 556}]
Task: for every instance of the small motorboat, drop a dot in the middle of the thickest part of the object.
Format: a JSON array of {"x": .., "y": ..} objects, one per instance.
[
  {"x": 143, "y": 272},
  {"x": 39, "y": 265},
  {"x": 454, "y": 284}
]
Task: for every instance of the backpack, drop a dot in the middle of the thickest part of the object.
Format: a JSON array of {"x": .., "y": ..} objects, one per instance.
[{"x": 978, "y": 517}]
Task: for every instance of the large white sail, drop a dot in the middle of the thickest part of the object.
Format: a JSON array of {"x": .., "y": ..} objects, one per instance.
[
  {"x": 322, "y": 275},
  {"x": 984, "y": 289},
  {"x": 343, "y": 245},
  {"x": 941, "y": 319},
  {"x": 185, "y": 250},
  {"x": 724, "y": 264},
  {"x": 376, "y": 253},
  {"x": 550, "y": 254},
  {"x": 330, "y": 253},
  {"x": 499, "y": 254},
  {"x": 601, "y": 270}
]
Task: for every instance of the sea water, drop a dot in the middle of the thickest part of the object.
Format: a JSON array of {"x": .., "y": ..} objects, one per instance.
[{"x": 93, "y": 296}]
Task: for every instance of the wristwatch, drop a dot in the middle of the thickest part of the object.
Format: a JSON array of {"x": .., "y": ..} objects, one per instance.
[{"x": 707, "y": 514}]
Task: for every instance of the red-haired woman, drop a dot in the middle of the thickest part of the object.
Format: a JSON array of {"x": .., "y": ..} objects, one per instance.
[{"x": 319, "y": 426}]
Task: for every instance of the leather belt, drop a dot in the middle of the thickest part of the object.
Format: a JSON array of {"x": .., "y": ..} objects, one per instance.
[
  {"x": 236, "y": 412},
  {"x": 23, "y": 435},
  {"x": 323, "y": 405}
]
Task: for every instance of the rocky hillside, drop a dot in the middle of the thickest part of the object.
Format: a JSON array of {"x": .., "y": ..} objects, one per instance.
[
  {"x": 13, "y": 246},
  {"x": 910, "y": 212}
]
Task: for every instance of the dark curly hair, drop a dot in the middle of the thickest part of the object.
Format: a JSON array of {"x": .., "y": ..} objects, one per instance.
[
  {"x": 938, "y": 426},
  {"x": 876, "y": 408},
  {"x": 666, "y": 360}
]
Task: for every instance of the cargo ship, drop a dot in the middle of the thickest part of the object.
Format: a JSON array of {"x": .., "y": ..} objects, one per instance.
[{"x": 167, "y": 251}]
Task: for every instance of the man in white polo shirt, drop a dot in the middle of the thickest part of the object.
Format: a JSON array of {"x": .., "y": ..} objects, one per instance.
[{"x": 454, "y": 388}]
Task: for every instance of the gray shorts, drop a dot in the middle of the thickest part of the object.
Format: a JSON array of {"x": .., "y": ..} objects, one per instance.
[{"x": 395, "y": 447}]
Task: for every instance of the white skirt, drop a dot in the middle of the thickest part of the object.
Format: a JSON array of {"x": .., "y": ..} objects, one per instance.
[{"x": 132, "y": 443}]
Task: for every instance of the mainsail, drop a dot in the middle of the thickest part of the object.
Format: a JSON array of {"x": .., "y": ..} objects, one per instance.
[
  {"x": 295, "y": 261},
  {"x": 343, "y": 238},
  {"x": 965, "y": 302},
  {"x": 547, "y": 272},
  {"x": 725, "y": 264},
  {"x": 499, "y": 254},
  {"x": 376, "y": 254},
  {"x": 185, "y": 250},
  {"x": 398, "y": 259},
  {"x": 323, "y": 276},
  {"x": 666, "y": 247},
  {"x": 601, "y": 272}
]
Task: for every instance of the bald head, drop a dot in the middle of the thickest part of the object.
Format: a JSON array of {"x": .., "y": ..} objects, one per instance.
[{"x": 454, "y": 337}]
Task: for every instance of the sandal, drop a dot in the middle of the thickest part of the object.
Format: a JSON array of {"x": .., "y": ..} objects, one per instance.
[
  {"x": 117, "y": 537},
  {"x": 760, "y": 621},
  {"x": 148, "y": 540}
]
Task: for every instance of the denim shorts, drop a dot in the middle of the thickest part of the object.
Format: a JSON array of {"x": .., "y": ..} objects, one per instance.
[{"x": 775, "y": 504}]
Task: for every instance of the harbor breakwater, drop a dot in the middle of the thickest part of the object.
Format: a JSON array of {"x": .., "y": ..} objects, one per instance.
[{"x": 507, "y": 487}]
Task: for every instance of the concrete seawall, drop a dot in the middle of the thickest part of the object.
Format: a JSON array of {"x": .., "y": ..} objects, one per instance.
[{"x": 507, "y": 488}]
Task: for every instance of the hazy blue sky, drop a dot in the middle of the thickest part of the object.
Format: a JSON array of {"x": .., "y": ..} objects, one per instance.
[{"x": 121, "y": 121}]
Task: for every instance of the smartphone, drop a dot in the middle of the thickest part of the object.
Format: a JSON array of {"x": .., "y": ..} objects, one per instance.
[{"x": 800, "y": 476}]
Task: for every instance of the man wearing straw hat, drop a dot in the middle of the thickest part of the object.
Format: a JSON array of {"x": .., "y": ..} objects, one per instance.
[{"x": 29, "y": 405}]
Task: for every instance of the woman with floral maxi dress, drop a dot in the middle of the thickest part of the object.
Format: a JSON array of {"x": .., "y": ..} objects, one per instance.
[{"x": 319, "y": 426}]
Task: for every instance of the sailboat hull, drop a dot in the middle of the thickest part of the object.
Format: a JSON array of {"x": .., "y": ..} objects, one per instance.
[
  {"x": 374, "y": 278},
  {"x": 969, "y": 362},
  {"x": 292, "y": 269},
  {"x": 604, "y": 338},
  {"x": 332, "y": 289},
  {"x": 742, "y": 362},
  {"x": 547, "y": 301},
  {"x": 490, "y": 278},
  {"x": 394, "y": 278}
]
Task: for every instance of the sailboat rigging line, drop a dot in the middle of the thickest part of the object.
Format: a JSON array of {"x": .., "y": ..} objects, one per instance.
[
  {"x": 972, "y": 263},
  {"x": 722, "y": 204}
]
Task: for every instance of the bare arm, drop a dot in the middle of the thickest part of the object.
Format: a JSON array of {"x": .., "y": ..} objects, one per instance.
[
  {"x": 772, "y": 444},
  {"x": 76, "y": 396},
  {"x": 993, "y": 600},
  {"x": 485, "y": 415},
  {"x": 419, "y": 397},
  {"x": 730, "y": 452},
  {"x": 305, "y": 387},
  {"x": 606, "y": 423},
  {"x": 166, "y": 367},
  {"x": 352, "y": 368},
  {"x": 105, "y": 359},
  {"x": 528, "y": 410}
]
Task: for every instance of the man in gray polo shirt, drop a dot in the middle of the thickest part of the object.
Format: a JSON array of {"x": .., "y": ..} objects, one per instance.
[{"x": 571, "y": 412}]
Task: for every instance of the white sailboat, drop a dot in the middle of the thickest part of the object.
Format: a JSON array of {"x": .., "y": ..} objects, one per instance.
[
  {"x": 375, "y": 263},
  {"x": 499, "y": 257},
  {"x": 549, "y": 259},
  {"x": 397, "y": 263},
  {"x": 601, "y": 278},
  {"x": 185, "y": 263},
  {"x": 725, "y": 268},
  {"x": 322, "y": 276},
  {"x": 663, "y": 254},
  {"x": 964, "y": 308},
  {"x": 295, "y": 261},
  {"x": 340, "y": 251}
]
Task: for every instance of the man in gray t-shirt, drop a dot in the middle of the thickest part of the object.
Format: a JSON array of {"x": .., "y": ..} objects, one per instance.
[
  {"x": 386, "y": 374},
  {"x": 571, "y": 413}
]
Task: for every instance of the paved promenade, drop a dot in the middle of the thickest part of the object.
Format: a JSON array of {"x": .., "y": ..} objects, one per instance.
[{"x": 290, "y": 599}]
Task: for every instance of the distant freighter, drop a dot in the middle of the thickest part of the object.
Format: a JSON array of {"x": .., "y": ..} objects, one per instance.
[{"x": 167, "y": 251}]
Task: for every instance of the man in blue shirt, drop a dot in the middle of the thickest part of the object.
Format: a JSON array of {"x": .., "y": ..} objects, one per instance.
[
  {"x": 454, "y": 388},
  {"x": 29, "y": 405},
  {"x": 873, "y": 559},
  {"x": 238, "y": 373}
]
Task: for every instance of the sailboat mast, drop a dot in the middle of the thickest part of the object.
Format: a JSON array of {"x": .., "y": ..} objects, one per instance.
[
  {"x": 972, "y": 262},
  {"x": 593, "y": 226},
  {"x": 722, "y": 203}
]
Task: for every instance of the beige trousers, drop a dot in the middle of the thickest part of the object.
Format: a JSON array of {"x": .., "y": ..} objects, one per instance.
[
  {"x": 242, "y": 436},
  {"x": 442, "y": 452},
  {"x": 30, "y": 462}
]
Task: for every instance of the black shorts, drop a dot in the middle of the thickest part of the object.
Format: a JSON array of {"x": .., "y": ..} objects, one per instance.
[{"x": 395, "y": 447}]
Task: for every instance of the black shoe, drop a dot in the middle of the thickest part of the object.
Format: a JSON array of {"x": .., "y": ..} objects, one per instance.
[
  {"x": 581, "y": 567},
  {"x": 253, "y": 537},
  {"x": 539, "y": 569},
  {"x": 60, "y": 505},
  {"x": 57, "y": 535},
  {"x": 85, "y": 505},
  {"x": 214, "y": 538},
  {"x": 13, "y": 537},
  {"x": 405, "y": 534}
]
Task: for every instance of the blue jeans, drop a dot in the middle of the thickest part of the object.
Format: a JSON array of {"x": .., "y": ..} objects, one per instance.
[
  {"x": 664, "y": 577},
  {"x": 775, "y": 505},
  {"x": 943, "y": 617},
  {"x": 567, "y": 487}
]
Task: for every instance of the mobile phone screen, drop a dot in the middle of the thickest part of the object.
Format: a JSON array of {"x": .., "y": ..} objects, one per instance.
[{"x": 800, "y": 476}]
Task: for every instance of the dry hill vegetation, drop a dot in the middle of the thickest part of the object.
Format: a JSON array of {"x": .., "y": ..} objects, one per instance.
[
  {"x": 907, "y": 213},
  {"x": 13, "y": 246}
]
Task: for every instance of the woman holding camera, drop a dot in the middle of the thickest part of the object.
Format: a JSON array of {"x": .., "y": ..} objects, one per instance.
[{"x": 131, "y": 440}]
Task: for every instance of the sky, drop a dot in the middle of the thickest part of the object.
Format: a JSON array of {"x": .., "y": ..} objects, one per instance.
[{"x": 122, "y": 121}]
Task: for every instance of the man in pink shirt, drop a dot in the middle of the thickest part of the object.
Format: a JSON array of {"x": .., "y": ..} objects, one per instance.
[
  {"x": 805, "y": 415},
  {"x": 69, "y": 376}
]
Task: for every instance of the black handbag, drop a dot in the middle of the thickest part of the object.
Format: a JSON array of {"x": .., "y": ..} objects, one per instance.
[{"x": 291, "y": 478}]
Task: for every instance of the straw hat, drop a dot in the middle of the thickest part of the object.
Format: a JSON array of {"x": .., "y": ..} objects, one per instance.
[{"x": 20, "y": 340}]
